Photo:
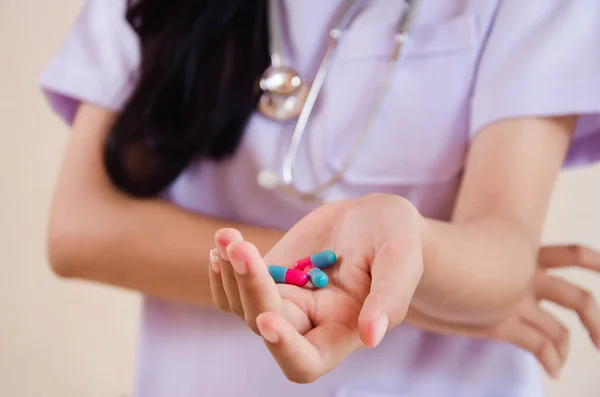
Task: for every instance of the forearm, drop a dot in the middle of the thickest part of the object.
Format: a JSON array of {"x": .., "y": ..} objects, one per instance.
[
  {"x": 149, "y": 246},
  {"x": 481, "y": 268},
  {"x": 483, "y": 260},
  {"x": 416, "y": 319},
  {"x": 98, "y": 233}
]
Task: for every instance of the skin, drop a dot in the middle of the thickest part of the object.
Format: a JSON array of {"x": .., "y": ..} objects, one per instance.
[
  {"x": 530, "y": 326},
  {"x": 472, "y": 271}
]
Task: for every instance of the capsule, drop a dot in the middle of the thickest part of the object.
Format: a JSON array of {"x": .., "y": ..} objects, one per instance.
[
  {"x": 321, "y": 260},
  {"x": 317, "y": 277},
  {"x": 285, "y": 275}
]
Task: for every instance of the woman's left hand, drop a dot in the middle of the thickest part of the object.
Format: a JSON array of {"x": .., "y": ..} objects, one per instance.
[
  {"x": 530, "y": 326},
  {"x": 378, "y": 242}
]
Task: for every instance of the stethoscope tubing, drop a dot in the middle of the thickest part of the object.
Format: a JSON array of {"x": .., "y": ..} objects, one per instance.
[{"x": 350, "y": 11}]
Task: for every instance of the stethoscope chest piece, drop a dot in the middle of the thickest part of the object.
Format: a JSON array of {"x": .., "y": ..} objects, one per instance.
[{"x": 283, "y": 93}]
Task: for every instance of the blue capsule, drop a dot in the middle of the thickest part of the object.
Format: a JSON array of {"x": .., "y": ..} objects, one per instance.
[
  {"x": 317, "y": 277},
  {"x": 321, "y": 260}
]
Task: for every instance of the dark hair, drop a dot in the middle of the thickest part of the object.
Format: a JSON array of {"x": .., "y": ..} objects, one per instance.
[{"x": 197, "y": 87}]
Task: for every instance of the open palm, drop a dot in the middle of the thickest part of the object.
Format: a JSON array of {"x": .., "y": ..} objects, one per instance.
[{"x": 377, "y": 239}]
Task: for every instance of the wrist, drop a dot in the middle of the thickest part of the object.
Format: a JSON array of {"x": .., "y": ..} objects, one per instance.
[
  {"x": 437, "y": 287},
  {"x": 428, "y": 289}
]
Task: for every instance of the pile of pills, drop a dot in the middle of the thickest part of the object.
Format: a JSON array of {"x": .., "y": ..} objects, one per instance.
[{"x": 305, "y": 270}]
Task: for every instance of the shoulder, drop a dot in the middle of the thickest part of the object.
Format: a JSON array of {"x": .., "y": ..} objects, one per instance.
[
  {"x": 97, "y": 61},
  {"x": 541, "y": 58}
]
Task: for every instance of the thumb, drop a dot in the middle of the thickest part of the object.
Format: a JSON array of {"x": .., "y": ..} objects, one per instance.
[{"x": 395, "y": 275}]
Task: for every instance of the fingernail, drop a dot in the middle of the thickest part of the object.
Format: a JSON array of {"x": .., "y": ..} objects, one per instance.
[
  {"x": 556, "y": 374},
  {"x": 381, "y": 328},
  {"x": 214, "y": 261},
  {"x": 269, "y": 334}
]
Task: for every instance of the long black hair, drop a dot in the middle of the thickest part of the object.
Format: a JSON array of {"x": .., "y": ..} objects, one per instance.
[{"x": 200, "y": 62}]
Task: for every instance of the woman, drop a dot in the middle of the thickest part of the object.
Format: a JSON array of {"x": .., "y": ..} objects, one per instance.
[{"x": 487, "y": 101}]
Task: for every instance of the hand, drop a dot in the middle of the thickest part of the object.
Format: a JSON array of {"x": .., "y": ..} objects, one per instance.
[
  {"x": 377, "y": 239},
  {"x": 531, "y": 327}
]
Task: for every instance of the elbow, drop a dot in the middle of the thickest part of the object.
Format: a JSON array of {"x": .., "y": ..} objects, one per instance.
[
  {"x": 62, "y": 251},
  {"x": 70, "y": 245},
  {"x": 519, "y": 286},
  {"x": 507, "y": 295},
  {"x": 504, "y": 293}
]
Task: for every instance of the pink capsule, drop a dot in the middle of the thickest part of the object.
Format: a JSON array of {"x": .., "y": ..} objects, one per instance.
[
  {"x": 302, "y": 263},
  {"x": 286, "y": 275},
  {"x": 320, "y": 259}
]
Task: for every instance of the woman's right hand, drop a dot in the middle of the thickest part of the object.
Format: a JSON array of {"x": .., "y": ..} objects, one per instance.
[
  {"x": 532, "y": 327},
  {"x": 310, "y": 331}
]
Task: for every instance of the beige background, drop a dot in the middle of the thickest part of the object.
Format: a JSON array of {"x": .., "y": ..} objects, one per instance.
[{"x": 62, "y": 339}]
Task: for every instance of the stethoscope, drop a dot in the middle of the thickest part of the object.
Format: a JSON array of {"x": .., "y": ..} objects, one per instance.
[{"x": 286, "y": 96}]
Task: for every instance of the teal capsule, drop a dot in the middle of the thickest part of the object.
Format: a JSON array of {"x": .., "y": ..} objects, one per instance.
[
  {"x": 321, "y": 260},
  {"x": 317, "y": 277}
]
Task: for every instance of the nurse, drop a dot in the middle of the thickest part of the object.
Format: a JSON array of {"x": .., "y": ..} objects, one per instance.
[{"x": 280, "y": 121}]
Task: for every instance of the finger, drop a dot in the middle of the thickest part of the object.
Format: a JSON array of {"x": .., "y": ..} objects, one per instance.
[
  {"x": 395, "y": 272},
  {"x": 304, "y": 359},
  {"x": 230, "y": 286},
  {"x": 550, "y": 326},
  {"x": 223, "y": 238},
  {"x": 532, "y": 340},
  {"x": 569, "y": 255},
  {"x": 563, "y": 293},
  {"x": 258, "y": 292},
  {"x": 216, "y": 283}
]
